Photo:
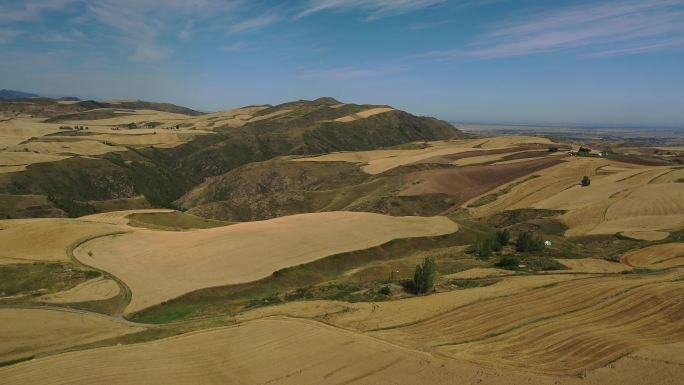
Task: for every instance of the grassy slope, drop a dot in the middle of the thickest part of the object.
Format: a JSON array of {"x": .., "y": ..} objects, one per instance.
[
  {"x": 172, "y": 221},
  {"x": 263, "y": 190}
]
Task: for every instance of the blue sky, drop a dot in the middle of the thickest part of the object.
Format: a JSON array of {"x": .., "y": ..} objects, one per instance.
[{"x": 594, "y": 62}]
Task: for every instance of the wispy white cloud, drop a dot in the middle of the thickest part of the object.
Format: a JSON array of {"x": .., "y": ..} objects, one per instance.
[
  {"x": 151, "y": 54},
  {"x": 238, "y": 47},
  {"x": 638, "y": 49},
  {"x": 603, "y": 26},
  {"x": 29, "y": 10},
  {"x": 186, "y": 33},
  {"x": 253, "y": 24},
  {"x": 347, "y": 73},
  {"x": 141, "y": 24},
  {"x": 375, "y": 9}
]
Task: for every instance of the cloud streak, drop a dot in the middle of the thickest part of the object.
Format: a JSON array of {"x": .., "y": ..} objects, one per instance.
[
  {"x": 617, "y": 27},
  {"x": 349, "y": 73},
  {"x": 253, "y": 24},
  {"x": 375, "y": 9}
]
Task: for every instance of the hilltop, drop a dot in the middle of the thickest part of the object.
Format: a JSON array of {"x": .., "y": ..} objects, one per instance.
[{"x": 75, "y": 157}]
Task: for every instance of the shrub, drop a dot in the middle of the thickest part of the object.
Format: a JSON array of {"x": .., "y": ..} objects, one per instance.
[
  {"x": 553, "y": 149},
  {"x": 509, "y": 262},
  {"x": 503, "y": 236},
  {"x": 528, "y": 241},
  {"x": 586, "y": 181},
  {"x": 424, "y": 278},
  {"x": 385, "y": 290}
]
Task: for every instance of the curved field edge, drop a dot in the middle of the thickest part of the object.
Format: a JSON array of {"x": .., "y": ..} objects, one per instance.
[
  {"x": 158, "y": 265},
  {"x": 233, "y": 299},
  {"x": 114, "y": 306}
]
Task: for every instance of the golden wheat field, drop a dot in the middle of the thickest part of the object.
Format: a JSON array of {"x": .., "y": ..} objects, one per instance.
[
  {"x": 290, "y": 351},
  {"x": 18, "y": 238},
  {"x": 159, "y": 265},
  {"x": 378, "y": 161},
  {"x": 31, "y": 332}
]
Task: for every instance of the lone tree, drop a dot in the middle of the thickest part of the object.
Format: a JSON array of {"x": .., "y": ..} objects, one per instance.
[
  {"x": 586, "y": 181},
  {"x": 424, "y": 278}
]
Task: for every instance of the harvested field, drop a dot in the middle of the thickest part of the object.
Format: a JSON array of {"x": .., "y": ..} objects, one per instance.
[
  {"x": 123, "y": 117},
  {"x": 465, "y": 183},
  {"x": 645, "y": 235},
  {"x": 80, "y": 147},
  {"x": 94, "y": 290},
  {"x": 551, "y": 181},
  {"x": 364, "y": 114},
  {"x": 624, "y": 201},
  {"x": 18, "y": 238},
  {"x": 456, "y": 158},
  {"x": 272, "y": 351},
  {"x": 8, "y": 158},
  {"x": 160, "y": 265},
  {"x": 378, "y": 161},
  {"x": 29, "y": 332},
  {"x": 237, "y": 117},
  {"x": 393, "y": 314},
  {"x": 592, "y": 265},
  {"x": 656, "y": 257},
  {"x": 676, "y": 175},
  {"x": 589, "y": 338},
  {"x": 287, "y": 351},
  {"x": 554, "y": 329},
  {"x": 17, "y": 130}
]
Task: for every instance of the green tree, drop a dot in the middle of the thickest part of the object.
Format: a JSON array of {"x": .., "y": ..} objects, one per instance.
[
  {"x": 553, "y": 149},
  {"x": 424, "y": 278},
  {"x": 509, "y": 262},
  {"x": 503, "y": 236},
  {"x": 586, "y": 181},
  {"x": 482, "y": 248},
  {"x": 528, "y": 241}
]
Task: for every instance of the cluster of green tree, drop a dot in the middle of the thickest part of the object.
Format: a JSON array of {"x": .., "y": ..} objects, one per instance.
[
  {"x": 528, "y": 241},
  {"x": 584, "y": 151},
  {"x": 72, "y": 208},
  {"x": 424, "y": 277},
  {"x": 484, "y": 247},
  {"x": 553, "y": 149},
  {"x": 509, "y": 262}
]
